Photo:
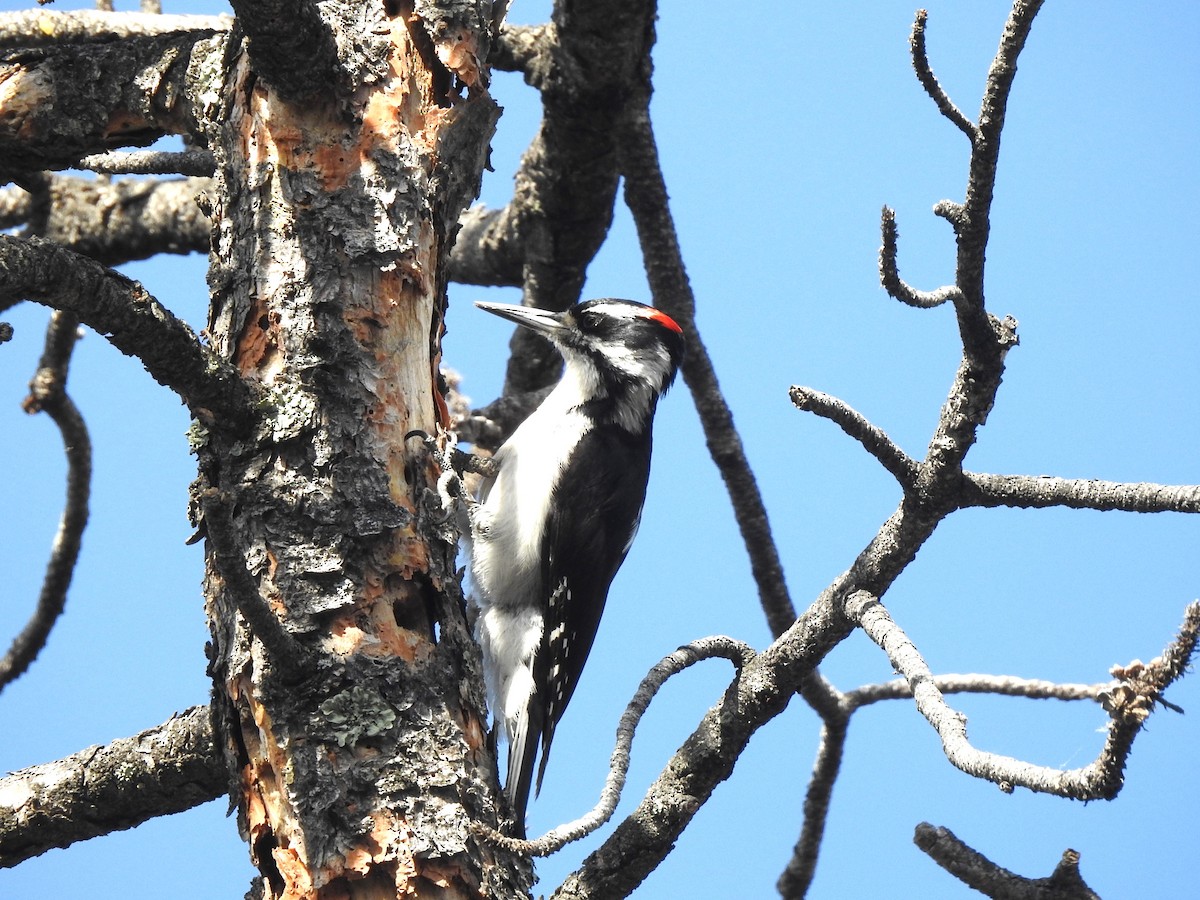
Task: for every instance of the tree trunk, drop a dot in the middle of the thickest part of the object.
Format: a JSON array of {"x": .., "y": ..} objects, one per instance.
[{"x": 357, "y": 731}]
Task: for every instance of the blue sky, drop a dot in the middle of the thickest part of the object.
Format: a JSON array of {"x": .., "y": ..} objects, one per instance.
[{"x": 783, "y": 129}]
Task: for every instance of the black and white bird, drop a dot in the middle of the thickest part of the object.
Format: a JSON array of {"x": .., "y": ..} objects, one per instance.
[{"x": 555, "y": 521}]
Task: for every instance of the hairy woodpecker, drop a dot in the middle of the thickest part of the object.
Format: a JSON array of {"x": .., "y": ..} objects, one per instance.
[{"x": 554, "y": 522}]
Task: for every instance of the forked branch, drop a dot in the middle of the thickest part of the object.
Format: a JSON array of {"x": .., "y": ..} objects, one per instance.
[
  {"x": 1129, "y": 704},
  {"x": 978, "y": 872}
]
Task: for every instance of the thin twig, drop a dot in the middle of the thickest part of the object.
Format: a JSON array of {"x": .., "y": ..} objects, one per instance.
[
  {"x": 874, "y": 440},
  {"x": 718, "y": 647},
  {"x": 1001, "y": 685},
  {"x": 889, "y": 273},
  {"x": 925, "y": 75},
  {"x": 797, "y": 876},
  {"x": 48, "y": 394}
]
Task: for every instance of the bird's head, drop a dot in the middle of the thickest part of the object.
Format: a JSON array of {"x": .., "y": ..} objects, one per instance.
[{"x": 628, "y": 345}]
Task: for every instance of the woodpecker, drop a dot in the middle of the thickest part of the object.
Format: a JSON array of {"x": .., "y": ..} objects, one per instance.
[{"x": 554, "y": 522}]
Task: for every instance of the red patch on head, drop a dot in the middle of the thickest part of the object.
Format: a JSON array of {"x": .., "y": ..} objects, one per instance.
[{"x": 663, "y": 319}]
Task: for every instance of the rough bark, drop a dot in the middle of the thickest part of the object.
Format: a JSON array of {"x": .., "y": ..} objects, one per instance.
[
  {"x": 100, "y": 790},
  {"x": 363, "y": 762}
]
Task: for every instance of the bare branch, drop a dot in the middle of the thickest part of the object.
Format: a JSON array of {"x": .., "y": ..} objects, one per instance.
[
  {"x": 1002, "y": 685},
  {"x": 286, "y": 653},
  {"x": 925, "y": 75},
  {"x": 151, "y": 162},
  {"x": 562, "y": 204},
  {"x": 1039, "y": 491},
  {"x": 889, "y": 274},
  {"x": 874, "y": 440},
  {"x": 48, "y": 394},
  {"x": 291, "y": 44},
  {"x": 974, "y": 323},
  {"x": 1129, "y": 704},
  {"x": 67, "y": 101},
  {"x": 526, "y": 49},
  {"x": 133, "y": 321},
  {"x": 646, "y": 197},
  {"x": 981, "y": 874},
  {"x": 117, "y": 221},
  {"x": 797, "y": 876},
  {"x": 760, "y": 692},
  {"x": 44, "y": 27},
  {"x": 164, "y": 770},
  {"x": 718, "y": 647}
]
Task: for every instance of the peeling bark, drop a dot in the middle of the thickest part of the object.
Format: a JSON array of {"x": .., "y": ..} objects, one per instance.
[{"x": 333, "y": 222}]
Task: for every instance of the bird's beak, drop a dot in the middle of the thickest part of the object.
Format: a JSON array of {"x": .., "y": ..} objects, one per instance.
[{"x": 544, "y": 322}]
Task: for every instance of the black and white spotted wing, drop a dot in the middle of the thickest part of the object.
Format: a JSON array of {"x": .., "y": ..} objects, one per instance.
[{"x": 584, "y": 548}]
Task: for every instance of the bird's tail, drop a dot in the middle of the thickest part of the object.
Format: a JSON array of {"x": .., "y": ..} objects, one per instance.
[{"x": 522, "y": 753}]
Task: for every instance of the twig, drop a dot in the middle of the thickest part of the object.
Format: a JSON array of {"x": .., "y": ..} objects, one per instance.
[
  {"x": 889, "y": 274},
  {"x": 646, "y": 197},
  {"x": 718, "y": 647},
  {"x": 925, "y": 75},
  {"x": 132, "y": 320},
  {"x": 151, "y": 162},
  {"x": 978, "y": 872},
  {"x": 874, "y": 440},
  {"x": 48, "y": 394},
  {"x": 163, "y": 770},
  {"x": 797, "y": 876},
  {"x": 287, "y": 654},
  {"x": 1129, "y": 704},
  {"x": 1002, "y": 685}
]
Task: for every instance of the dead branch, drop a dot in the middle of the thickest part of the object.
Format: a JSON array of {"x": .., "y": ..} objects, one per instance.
[
  {"x": 151, "y": 162},
  {"x": 920, "y": 59},
  {"x": 133, "y": 321},
  {"x": 874, "y": 440},
  {"x": 1039, "y": 491},
  {"x": 117, "y": 221},
  {"x": 646, "y": 196},
  {"x": 718, "y": 647},
  {"x": 978, "y": 872},
  {"x": 48, "y": 394},
  {"x": 68, "y": 101},
  {"x": 96, "y": 791},
  {"x": 1129, "y": 704},
  {"x": 47, "y": 27}
]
